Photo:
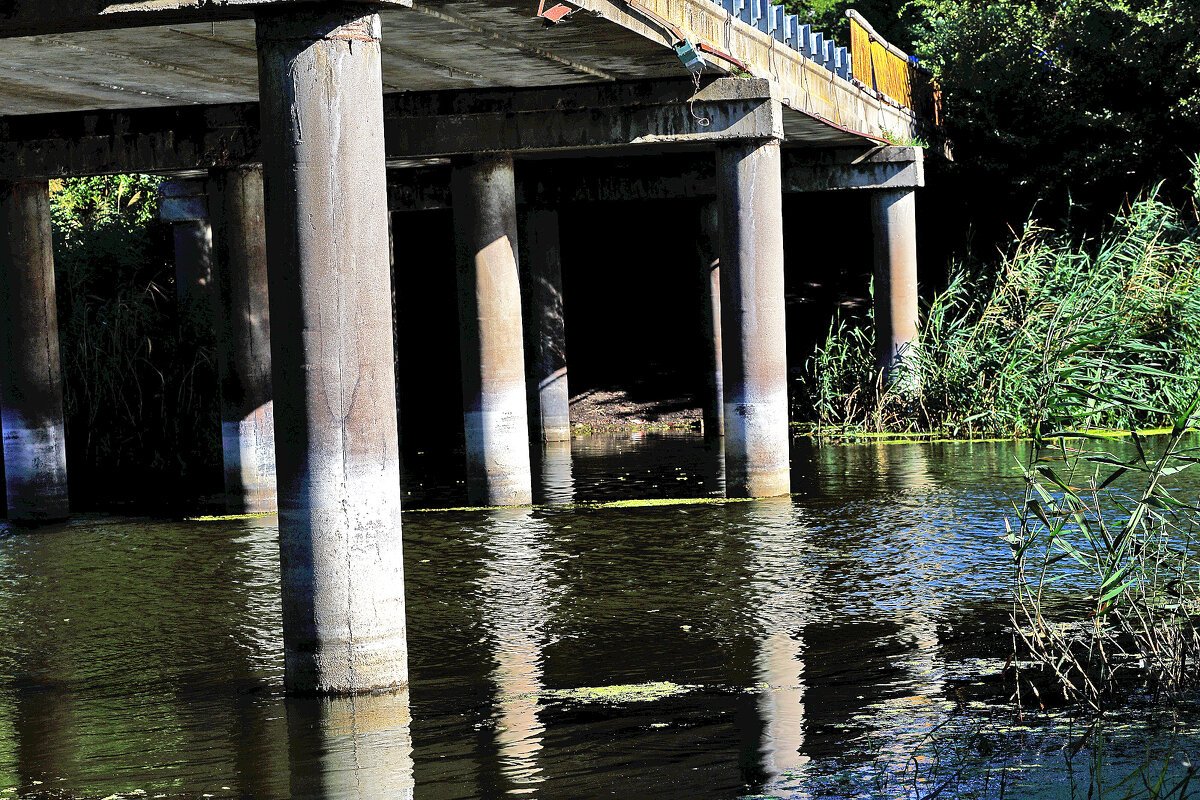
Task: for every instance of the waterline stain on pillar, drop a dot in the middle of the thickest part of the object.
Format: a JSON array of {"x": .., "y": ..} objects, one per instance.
[
  {"x": 753, "y": 329},
  {"x": 545, "y": 325},
  {"x": 331, "y": 349},
  {"x": 493, "y": 361},
  {"x": 894, "y": 225},
  {"x": 31, "y": 409},
  {"x": 243, "y": 339}
]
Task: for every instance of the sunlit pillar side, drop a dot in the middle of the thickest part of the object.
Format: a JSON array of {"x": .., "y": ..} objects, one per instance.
[
  {"x": 493, "y": 360},
  {"x": 31, "y": 400},
  {"x": 894, "y": 225},
  {"x": 243, "y": 339},
  {"x": 753, "y": 329},
  {"x": 336, "y": 455}
]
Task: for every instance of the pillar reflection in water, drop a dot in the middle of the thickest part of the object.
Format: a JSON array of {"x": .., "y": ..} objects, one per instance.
[
  {"x": 557, "y": 485},
  {"x": 781, "y": 600},
  {"x": 516, "y": 600},
  {"x": 904, "y": 470},
  {"x": 350, "y": 747}
]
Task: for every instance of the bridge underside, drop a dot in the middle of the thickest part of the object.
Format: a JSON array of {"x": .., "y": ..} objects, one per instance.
[{"x": 485, "y": 107}]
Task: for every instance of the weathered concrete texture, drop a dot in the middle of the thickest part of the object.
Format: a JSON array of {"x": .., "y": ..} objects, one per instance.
[
  {"x": 753, "y": 330},
  {"x": 35, "y": 454},
  {"x": 583, "y": 117},
  {"x": 708, "y": 245},
  {"x": 834, "y": 169},
  {"x": 894, "y": 224},
  {"x": 331, "y": 349},
  {"x": 493, "y": 362},
  {"x": 243, "y": 340},
  {"x": 545, "y": 326}
]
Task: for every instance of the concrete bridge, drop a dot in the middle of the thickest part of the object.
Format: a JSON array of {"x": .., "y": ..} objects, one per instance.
[{"x": 292, "y": 130}]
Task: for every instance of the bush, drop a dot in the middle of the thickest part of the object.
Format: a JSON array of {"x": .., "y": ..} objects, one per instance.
[
  {"x": 987, "y": 341},
  {"x": 139, "y": 390}
]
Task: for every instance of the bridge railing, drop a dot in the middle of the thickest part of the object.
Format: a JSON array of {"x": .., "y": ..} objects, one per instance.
[{"x": 891, "y": 73}]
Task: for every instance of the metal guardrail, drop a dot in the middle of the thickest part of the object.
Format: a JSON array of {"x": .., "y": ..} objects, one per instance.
[
  {"x": 870, "y": 62},
  {"x": 891, "y": 73}
]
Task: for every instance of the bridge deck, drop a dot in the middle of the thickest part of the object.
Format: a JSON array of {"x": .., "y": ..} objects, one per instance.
[{"x": 68, "y": 55}]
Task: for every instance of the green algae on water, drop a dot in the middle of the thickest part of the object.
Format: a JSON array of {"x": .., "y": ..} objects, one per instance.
[
  {"x": 586, "y": 505},
  {"x": 619, "y": 693},
  {"x": 230, "y": 517}
]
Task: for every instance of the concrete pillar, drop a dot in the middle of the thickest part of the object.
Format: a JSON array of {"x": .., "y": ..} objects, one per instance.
[
  {"x": 894, "y": 224},
  {"x": 546, "y": 338},
  {"x": 31, "y": 406},
  {"x": 753, "y": 331},
  {"x": 336, "y": 457},
  {"x": 708, "y": 245},
  {"x": 184, "y": 203},
  {"x": 243, "y": 339},
  {"x": 489, "y": 307}
]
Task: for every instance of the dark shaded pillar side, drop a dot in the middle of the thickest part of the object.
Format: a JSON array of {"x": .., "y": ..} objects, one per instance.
[
  {"x": 894, "y": 225},
  {"x": 545, "y": 326},
  {"x": 336, "y": 451},
  {"x": 31, "y": 404},
  {"x": 753, "y": 329},
  {"x": 493, "y": 361},
  {"x": 184, "y": 203},
  {"x": 243, "y": 339},
  {"x": 708, "y": 247}
]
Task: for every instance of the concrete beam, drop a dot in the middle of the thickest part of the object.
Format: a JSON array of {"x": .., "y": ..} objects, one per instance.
[
  {"x": 419, "y": 125},
  {"x": 583, "y": 117},
  {"x": 667, "y": 176},
  {"x": 836, "y": 169}
]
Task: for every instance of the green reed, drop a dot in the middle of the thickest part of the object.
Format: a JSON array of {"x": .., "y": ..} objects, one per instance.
[
  {"x": 139, "y": 383},
  {"x": 986, "y": 341}
]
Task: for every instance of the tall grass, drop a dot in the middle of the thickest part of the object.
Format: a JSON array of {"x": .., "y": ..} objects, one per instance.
[
  {"x": 986, "y": 341},
  {"x": 139, "y": 385}
]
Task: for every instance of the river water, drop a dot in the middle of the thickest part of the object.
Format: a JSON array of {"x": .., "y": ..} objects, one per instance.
[{"x": 840, "y": 642}]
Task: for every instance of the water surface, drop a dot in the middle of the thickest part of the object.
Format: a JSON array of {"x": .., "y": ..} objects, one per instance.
[{"x": 801, "y": 647}]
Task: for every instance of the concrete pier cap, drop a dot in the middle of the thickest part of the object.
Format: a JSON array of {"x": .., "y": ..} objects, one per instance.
[{"x": 336, "y": 444}]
